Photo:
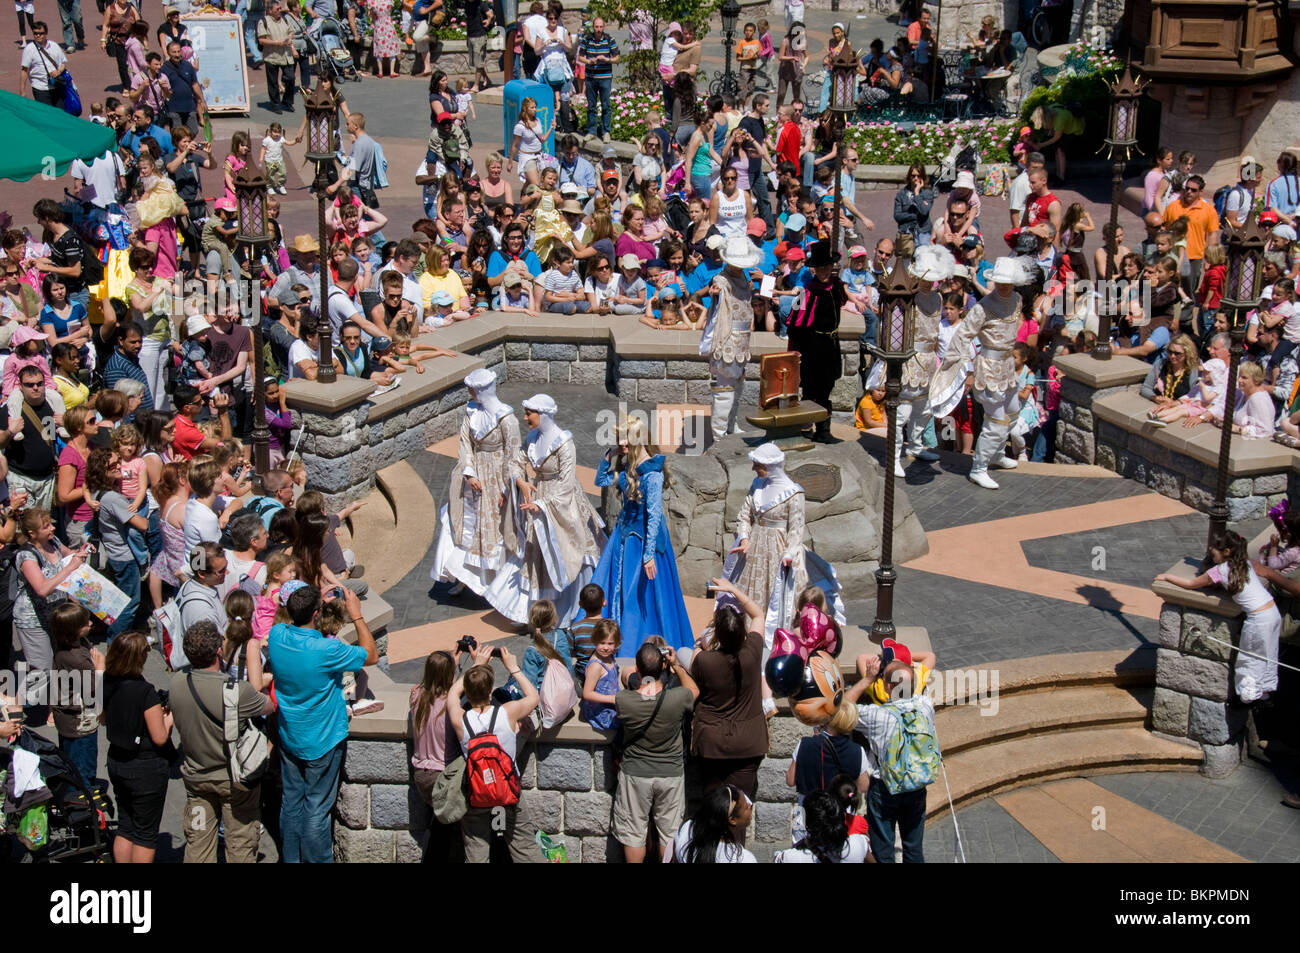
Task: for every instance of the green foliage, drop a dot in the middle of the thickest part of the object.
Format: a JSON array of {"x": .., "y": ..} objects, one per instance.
[{"x": 642, "y": 65}]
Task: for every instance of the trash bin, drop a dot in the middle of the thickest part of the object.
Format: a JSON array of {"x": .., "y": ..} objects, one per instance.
[{"x": 515, "y": 92}]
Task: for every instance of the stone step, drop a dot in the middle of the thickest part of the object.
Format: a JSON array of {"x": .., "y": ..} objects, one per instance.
[
  {"x": 987, "y": 769},
  {"x": 377, "y": 614},
  {"x": 1046, "y": 673},
  {"x": 967, "y": 726}
]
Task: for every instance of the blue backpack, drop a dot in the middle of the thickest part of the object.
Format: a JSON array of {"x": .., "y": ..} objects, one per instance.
[
  {"x": 380, "y": 175},
  {"x": 911, "y": 759}
]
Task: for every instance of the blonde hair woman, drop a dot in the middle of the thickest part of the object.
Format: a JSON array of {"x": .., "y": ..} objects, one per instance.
[
  {"x": 638, "y": 570},
  {"x": 529, "y": 143}
]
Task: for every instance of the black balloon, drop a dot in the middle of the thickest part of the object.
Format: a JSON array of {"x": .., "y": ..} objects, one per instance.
[{"x": 784, "y": 674}]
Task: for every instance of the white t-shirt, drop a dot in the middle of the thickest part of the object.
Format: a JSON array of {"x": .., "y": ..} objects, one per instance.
[
  {"x": 668, "y": 52},
  {"x": 201, "y": 525},
  {"x": 1239, "y": 197},
  {"x": 1254, "y": 594},
  {"x": 341, "y": 308},
  {"x": 726, "y": 853},
  {"x": 534, "y": 26},
  {"x": 1018, "y": 194},
  {"x": 602, "y": 290},
  {"x": 274, "y": 148},
  {"x": 100, "y": 178},
  {"x": 38, "y": 66},
  {"x": 856, "y": 850},
  {"x": 478, "y": 721},
  {"x": 298, "y": 352}
]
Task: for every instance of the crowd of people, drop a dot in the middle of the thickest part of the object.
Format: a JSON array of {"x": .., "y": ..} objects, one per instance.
[{"x": 129, "y": 413}]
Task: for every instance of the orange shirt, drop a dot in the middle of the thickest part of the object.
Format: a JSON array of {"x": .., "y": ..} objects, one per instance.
[{"x": 1201, "y": 221}]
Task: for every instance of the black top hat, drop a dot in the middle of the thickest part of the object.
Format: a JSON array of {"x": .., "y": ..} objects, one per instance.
[{"x": 819, "y": 254}]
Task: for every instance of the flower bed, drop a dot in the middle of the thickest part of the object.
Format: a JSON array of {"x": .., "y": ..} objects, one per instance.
[{"x": 879, "y": 143}]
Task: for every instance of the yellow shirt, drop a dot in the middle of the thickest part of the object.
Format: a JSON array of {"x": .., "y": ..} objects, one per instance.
[
  {"x": 870, "y": 414},
  {"x": 878, "y": 693},
  {"x": 450, "y": 283},
  {"x": 74, "y": 393}
]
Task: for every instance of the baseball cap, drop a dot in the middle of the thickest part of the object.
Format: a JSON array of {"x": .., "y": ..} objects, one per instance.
[
  {"x": 794, "y": 253},
  {"x": 857, "y": 251},
  {"x": 756, "y": 227},
  {"x": 441, "y": 297},
  {"x": 444, "y": 117},
  {"x": 1250, "y": 167},
  {"x": 796, "y": 223},
  {"x": 609, "y": 153},
  {"x": 609, "y": 174},
  {"x": 197, "y": 323},
  {"x": 288, "y": 297},
  {"x": 892, "y": 651},
  {"x": 512, "y": 279},
  {"x": 630, "y": 261}
]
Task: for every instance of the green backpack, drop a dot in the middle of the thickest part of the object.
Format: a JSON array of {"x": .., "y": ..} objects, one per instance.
[{"x": 912, "y": 756}]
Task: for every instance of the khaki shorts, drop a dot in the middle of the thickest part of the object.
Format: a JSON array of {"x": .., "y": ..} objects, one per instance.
[
  {"x": 477, "y": 51},
  {"x": 637, "y": 800}
]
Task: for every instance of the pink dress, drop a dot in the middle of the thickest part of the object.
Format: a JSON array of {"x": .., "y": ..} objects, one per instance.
[
  {"x": 235, "y": 163},
  {"x": 386, "y": 45}
]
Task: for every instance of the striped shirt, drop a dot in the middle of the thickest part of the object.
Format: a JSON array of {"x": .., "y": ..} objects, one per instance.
[
  {"x": 589, "y": 47},
  {"x": 581, "y": 646}
]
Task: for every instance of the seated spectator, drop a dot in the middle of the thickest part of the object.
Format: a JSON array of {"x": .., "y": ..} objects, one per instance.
[
  {"x": 1172, "y": 378},
  {"x": 827, "y": 839},
  {"x": 560, "y": 287}
]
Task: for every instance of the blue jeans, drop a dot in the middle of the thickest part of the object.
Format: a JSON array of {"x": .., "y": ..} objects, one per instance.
[
  {"x": 806, "y": 169},
  {"x": 70, "y": 14},
  {"x": 310, "y": 788},
  {"x": 1045, "y": 442},
  {"x": 884, "y": 810},
  {"x": 250, "y": 30},
  {"x": 599, "y": 86},
  {"x": 83, "y": 752},
  {"x": 703, "y": 185},
  {"x": 127, "y": 577},
  {"x": 567, "y": 307}
]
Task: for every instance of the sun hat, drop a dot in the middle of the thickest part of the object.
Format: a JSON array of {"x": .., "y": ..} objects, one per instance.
[
  {"x": 932, "y": 263},
  {"x": 197, "y": 323},
  {"x": 739, "y": 252},
  {"x": 571, "y": 207},
  {"x": 305, "y": 243},
  {"x": 289, "y": 588},
  {"x": 1006, "y": 272},
  {"x": 965, "y": 180}
]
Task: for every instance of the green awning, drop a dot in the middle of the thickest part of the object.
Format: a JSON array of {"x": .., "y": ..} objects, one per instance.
[{"x": 43, "y": 140}]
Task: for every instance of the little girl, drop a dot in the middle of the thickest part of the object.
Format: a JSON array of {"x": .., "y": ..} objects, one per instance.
[
  {"x": 195, "y": 363},
  {"x": 1282, "y": 551},
  {"x": 280, "y": 569},
  {"x": 821, "y": 757},
  {"x": 271, "y": 157},
  {"x": 241, "y": 654},
  {"x": 134, "y": 484},
  {"x": 27, "y": 344},
  {"x": 1255, "y": 673},
  {"x": 546, "y": 639},
  {"x": 465, "y": 104},
  {"x": 602, "y": 677},
  {"x": 333, "y": 617},
  {"x": 1026, "y": 426}
]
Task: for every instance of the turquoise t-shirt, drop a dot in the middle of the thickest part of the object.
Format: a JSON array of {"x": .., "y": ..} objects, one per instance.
[{"x": 309, "y": 688}]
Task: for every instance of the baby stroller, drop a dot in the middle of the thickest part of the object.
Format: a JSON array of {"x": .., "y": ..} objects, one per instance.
[
  {"x": 79, "y": 816},
  {"x": 960, "y": 158},
  {"x": 331, "y": 40}
]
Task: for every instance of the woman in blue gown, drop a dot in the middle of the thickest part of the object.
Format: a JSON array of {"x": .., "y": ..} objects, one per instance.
[{"x": 642, "y": 591}]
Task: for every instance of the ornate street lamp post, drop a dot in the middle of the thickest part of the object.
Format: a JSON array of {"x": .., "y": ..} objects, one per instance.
[
  {"x": 844, "y": 88},
  {"x": 1241, "y": 295},
  {"x": 1119, "y": 146},
  {"x": 897, "y": 324},
  {"x": 322, "y": 122},
  {"x": 730, "y": 11},
  {"x": 250, "y": 198}
]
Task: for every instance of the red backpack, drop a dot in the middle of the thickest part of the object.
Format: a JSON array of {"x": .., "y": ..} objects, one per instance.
[{"x": 493, "y": 780}]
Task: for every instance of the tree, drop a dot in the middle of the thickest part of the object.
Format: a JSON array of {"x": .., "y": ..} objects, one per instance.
[{"x": 643, "y": 65}]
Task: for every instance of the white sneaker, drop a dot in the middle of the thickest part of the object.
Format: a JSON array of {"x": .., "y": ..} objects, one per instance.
[
  {"x": 983, "y": 479},
  {"x": 929, "y": 456},
  {"x": 898, "y": 469},
  {"x": 16, "y": 435},
  {"x": 283, "y": 190},
  {"x": 1004, "y": 463}
]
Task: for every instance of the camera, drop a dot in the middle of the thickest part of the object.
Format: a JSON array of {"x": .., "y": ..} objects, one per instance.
[
  {"x": 467, "y": 643},
  {"x": 165, "y": 697},
  {"x": 496, "y": 652}
]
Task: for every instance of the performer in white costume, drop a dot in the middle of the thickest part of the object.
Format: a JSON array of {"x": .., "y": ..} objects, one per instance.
[
  {"x": 931, "y": 265},
  {"x": 993, "y": 322},
  {"x": 769, "y": 561},
  {"x": 478, "y": 533},
  {"x": 727, "y": 329},
  {"x": 561, "y": 533}
]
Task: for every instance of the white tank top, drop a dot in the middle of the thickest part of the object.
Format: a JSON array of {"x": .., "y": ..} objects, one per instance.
[
  {"x": 731, "y": 213},
  {"x": 477, "y": 722}
]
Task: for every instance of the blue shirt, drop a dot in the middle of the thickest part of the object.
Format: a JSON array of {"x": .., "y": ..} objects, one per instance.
[
  {"x": 582, "y": 173},
  {"x": 1160, "y": 337},
  {"x": 309, "y": 688},
  {"x": 497, "y": 263},
  {"x": 590, "y": 47},
  {"x": 120, "y": 366},
  {"x": 857, "y": 281},
  {"x": 164, "y": 139}
]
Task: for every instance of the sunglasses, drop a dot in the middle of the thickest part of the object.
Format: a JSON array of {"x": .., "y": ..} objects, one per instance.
[{"x": 304, "y": 300}]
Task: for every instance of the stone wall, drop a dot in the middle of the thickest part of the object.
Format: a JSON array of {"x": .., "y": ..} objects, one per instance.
[
  {"x": 1120, "y": 439},
  {"x": 379, "y": 818},
  {"x": 1193, "y": 681}
]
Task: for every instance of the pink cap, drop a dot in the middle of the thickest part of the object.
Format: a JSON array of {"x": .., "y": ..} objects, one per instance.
[{"x": 857, "y": 251}]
